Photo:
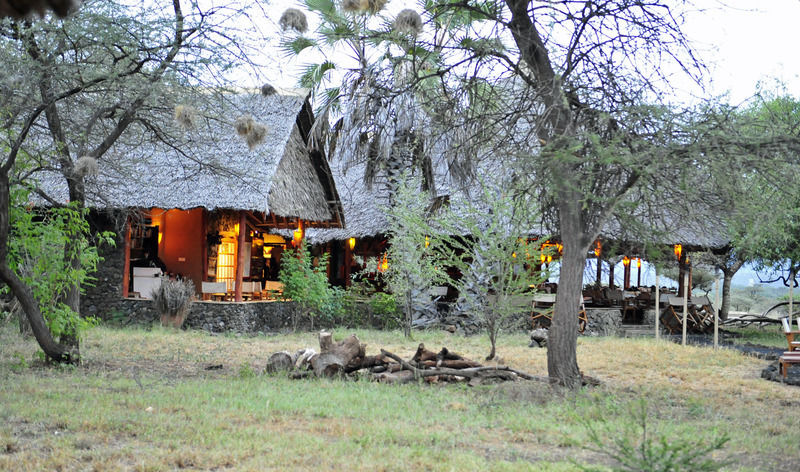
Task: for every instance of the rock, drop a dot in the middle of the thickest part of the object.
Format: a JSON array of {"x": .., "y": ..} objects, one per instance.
[{"x": 539, "y": 338}]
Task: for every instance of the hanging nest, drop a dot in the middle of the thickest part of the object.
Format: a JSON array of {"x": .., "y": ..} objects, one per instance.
[
  {"x": 86, "y": 166},
  {"x": 186, "y": 116},
  {"x": 253, "y": 132},
  {"x": 376, "y": 5},
  {"x": 267, "y": 90},
  {"x": 292, "y": 18},
  {"x": 355, "y": 6},
  {"x": 408, "y": 22}
]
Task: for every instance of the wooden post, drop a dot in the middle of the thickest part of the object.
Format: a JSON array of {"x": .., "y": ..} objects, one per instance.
[
  {"x": 791, "y": 296},
  {"x": 689, "y": 269},
  {"x": 348, "y": 262},
  {"x": 599, "y": 282},
  {"x": 610, "y": 274},
  {"x": 681, "y": 272},
  {"x": 658, "y": 305},
  {"x": 626, "y": 277},
  {"x": 204, "y": 244},
  {"x": 685, "y": 305},
  {"x": 126, "y": 267},
  {"x": 240, "y": 255},
  {"x": 638, "y": 272},
  {"x": 717, "y": 305}
]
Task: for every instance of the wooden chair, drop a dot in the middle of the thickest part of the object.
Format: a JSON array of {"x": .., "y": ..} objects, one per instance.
[
  {"x": 788, "y": 358},
  {"x": 629, "y": 307},
  {"x": 542, "y": 311},
  {"x": 214, "y": 290},
  {"x": 790, "y": 335},
  {"x": 272, "y": 290},
  {"x": 703, "y": 314},
  {"x": 672, "y": 316}
]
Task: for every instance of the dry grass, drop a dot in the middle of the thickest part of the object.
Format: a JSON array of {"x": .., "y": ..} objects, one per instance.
[{"x": 144, "y": 400}]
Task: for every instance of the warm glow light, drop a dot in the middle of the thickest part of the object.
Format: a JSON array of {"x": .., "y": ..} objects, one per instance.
[
  {"x": 543, "y": 258},
  {"x": 560, "y": 248},
  {"x": 298, "y": 235},
  {"x": 160, "y": 237},
  {"x": 549, "y": 259},
  {"x": 351, "y": 242},
  {"x": 267, "y": 252},
  {"x": 427, "y": 241},
  {"x": 678, "y": 249},
  {"x": 598, "y": 247},
  {"x": 626, "y": 261},
  {"x": 383, "y": 264},
  {"x": 236, "y": 228},
  {"x": 514, "y": 255},
  {"x": 638, "y": 263}
]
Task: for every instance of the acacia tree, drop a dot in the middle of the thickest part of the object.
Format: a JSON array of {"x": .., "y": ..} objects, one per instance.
[
  {"x": 557, "y": 91},
  {"x": 80, "y": 91}
]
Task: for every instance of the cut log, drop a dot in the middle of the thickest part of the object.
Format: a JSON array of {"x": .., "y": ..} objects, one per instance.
[
  {"x": 279, "y": 362},
  {"x": 454, "y": 364},
  {"x": 403, "y": 376},
  {"x": 335, "y": 358},
  {"x": 423, "y": 354}
]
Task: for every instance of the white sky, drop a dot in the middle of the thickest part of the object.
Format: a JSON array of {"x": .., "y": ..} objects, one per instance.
[{"x": 744, "y": 42}]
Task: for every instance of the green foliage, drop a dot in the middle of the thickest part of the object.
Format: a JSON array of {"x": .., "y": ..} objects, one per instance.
[
  {"x": 41, "y": 246},
  {"x": 307, "y": 283},
  {"x": 246, "y": 371},
  {"x": 362, "y": 306},
  {"x": 638, "y": 448},
  {"x": 413, "y": 265},
  {"x": 496, "y": 260}
]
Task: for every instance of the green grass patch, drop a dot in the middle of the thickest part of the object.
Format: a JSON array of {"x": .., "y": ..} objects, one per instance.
[{"x": 145, "y": 399}]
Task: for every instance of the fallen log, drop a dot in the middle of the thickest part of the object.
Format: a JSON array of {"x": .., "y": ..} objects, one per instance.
[
  {"x": 347, "y": 356},
  {"x": 468, "y": 373}
]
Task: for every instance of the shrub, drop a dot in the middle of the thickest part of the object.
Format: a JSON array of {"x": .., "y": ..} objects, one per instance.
[
  {"x": 173, "y": 299},
  {"x": 306, "y": 283},
  {"x": 639, "y": 447}
]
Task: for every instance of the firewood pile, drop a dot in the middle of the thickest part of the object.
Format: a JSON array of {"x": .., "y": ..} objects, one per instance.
[{"x": 348, "y": 358}]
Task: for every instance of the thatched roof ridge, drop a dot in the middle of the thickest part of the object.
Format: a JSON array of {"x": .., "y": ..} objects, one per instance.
[{"x": 211, "y": 166}]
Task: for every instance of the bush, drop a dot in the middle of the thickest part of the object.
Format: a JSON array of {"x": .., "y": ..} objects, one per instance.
[
  {"x": 173, "y": 299},
  {"x": 306, "y": 283},
  {"x": 639, "y": 447}
]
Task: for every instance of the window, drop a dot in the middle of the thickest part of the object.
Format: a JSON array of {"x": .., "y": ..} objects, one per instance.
[{"x": 226, "y": 263}]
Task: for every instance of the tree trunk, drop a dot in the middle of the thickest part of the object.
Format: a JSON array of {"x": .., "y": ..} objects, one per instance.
[
  {"x": 53, "y": 350},
  {"x": 334, "y": 359},
  {"x": 562, "y": 362},
  {"x": 72, "y": 295},
  {"x": 728, "y": 272}
]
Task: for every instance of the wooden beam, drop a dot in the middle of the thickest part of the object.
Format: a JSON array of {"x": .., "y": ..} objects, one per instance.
[
  {"x": 126, "y": 267},
  {"x": 204, "y": 244},
  {"x": 240, "y": 255}
]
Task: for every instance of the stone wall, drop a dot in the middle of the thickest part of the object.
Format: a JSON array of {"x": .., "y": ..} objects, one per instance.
[
  {"x": 216, "y": 317},
  {"x": 603, "y": 321},
  {"x": 104, "y": 298}
]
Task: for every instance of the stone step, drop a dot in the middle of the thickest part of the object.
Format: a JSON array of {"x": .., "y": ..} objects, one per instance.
[{"x": 636, "y": 331}]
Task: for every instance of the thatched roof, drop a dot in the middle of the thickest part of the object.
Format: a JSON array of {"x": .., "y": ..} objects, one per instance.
[
  {"x": 663, "y": 222},
  {"x": 212, "y": 166}
]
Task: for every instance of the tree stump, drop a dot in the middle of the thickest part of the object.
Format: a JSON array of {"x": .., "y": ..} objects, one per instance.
[
  {"x": 335, "y": 358},
  {"x": 279, "y": 361}
]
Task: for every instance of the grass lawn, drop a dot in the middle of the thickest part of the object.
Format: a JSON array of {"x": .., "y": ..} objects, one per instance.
[{"x": 144, "y": 400}]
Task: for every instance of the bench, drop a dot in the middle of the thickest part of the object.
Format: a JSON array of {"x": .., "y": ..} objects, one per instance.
[{"x": 788, "y": 357}]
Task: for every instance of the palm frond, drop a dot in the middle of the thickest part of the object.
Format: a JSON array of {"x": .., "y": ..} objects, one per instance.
[
  {"x": 297, "y": 45},
  {"x": 315, "y": 73}
]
